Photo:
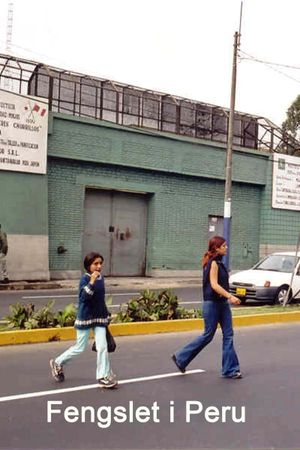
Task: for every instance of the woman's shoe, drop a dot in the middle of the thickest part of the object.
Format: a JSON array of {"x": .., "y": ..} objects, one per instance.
[
  {"x": 235, "y": 376},
  {"x": 182, "y": 370}
]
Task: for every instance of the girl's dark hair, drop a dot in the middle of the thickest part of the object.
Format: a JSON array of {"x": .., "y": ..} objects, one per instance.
[
  {"x": 90, "y": 258},
  {"x": 214, "y": 243}
]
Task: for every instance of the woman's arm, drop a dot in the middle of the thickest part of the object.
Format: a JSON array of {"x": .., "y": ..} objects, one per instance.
[
  {"x": 86, "y": 289},
  {"x": 213, "y": 278}
]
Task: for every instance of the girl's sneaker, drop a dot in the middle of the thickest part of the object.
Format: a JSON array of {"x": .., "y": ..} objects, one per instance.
[
  {"x": 57, "y": 371},
  {"x": 108, "y": 382}
]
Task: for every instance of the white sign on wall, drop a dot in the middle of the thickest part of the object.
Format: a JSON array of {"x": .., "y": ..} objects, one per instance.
[
  {"x": 286, "y": 182},
  {"x": 23, "y": 132}
]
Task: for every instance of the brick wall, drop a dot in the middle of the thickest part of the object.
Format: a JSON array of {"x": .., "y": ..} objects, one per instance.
[
  {"x": 185, "y": 181},
  {"x": 178, "y": 213}
]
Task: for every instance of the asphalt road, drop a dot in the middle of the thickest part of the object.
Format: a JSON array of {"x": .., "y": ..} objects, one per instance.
[
  {"x": 190, "y": 297},
  {"x": 269, "y": 395}
]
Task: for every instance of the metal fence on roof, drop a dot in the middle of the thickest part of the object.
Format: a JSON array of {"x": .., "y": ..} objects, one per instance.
[{"x": 86, "y": 96}]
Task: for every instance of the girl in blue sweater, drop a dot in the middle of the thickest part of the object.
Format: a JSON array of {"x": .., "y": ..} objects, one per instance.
[{"x": 92, "y": 314}]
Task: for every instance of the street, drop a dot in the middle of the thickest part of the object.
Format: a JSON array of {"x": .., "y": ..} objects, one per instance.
[
  {"x": 268, "y": 396},
  {"x": 190, "y": 297}
]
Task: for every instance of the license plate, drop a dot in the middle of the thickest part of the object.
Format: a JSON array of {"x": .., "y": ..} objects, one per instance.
[{"x": 240, "y": 291}]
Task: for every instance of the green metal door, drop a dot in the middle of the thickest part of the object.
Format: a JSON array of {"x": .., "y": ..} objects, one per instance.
[{"x": 115, "y": 225}]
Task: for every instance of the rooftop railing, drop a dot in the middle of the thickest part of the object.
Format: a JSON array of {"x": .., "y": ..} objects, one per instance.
[{"x": 86, "y": 96}]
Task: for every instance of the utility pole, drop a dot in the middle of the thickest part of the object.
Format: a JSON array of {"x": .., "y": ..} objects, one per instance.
[{"x": 228, "y": 171}]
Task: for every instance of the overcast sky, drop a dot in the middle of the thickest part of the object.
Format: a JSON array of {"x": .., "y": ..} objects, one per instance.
[{"x": 181, "y": 47}]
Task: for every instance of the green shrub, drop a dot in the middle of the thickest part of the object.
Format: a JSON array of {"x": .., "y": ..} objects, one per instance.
[
  {"x": 183, "y": 313},
  {"x": 25, "y": 317},
  {"x": 140, "y": 309},
  {"x": 150, "y": 306},
  {"x": 20, "y": 314},
  {"x": 67, "y": 316},
  {"x": 42, "y": 318}
]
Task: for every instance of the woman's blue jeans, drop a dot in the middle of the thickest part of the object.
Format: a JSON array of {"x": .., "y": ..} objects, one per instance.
[{"x": 214, "y": 312}]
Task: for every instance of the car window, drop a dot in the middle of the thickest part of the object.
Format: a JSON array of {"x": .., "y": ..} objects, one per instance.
[{"x": 277, "y": 263}]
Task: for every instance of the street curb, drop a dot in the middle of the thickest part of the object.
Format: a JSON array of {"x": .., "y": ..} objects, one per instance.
[{"x": 127, "y": 329}]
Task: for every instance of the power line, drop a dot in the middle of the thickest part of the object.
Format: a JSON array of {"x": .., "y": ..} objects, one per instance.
[
  {"x": 268, "y": 62},
  {"x": 271, "y": 66},
  {"x": 49, "y": 57}
]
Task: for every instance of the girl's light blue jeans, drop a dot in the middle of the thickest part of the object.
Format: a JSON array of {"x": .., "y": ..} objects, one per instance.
[
  {"x": 103, "y": 364},
  {"x": 213, "y": 313}
]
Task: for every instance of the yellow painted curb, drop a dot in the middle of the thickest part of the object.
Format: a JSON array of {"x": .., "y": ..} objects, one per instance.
[
  {"x": 34, "y": 336},
  {"x": 264, "y": 319},
  {"x": 160, "y": 326},
  {"x": 126, "y": 329}
]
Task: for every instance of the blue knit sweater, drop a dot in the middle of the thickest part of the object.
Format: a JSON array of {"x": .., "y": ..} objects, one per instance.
[{"x": 92, "y": 310}]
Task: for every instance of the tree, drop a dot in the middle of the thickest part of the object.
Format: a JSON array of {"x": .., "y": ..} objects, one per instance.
[{"x": 291, "y": 127}]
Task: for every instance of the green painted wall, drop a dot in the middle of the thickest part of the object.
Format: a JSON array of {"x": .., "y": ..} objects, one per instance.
[
  {"x": 23, "y": 203},
  {"x": 184, "y": 176},
  {"x": 178, "y": 213},
  {"x": 103, "y": 142}
]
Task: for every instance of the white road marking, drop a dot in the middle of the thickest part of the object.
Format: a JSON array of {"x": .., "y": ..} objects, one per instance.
[
  {"x": 108, "y": 295},
  {"x": 49, "y": 296},
  {"x": 190, "y": 303},
  {"x": 95, "y": 386},
  {"x": 180, "y": 303},
  {"x": 75, "y": 296},
  {"x": 122, "y": 293}
]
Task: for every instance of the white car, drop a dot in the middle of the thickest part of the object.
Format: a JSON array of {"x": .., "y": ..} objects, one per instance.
[{"x": 268, "y": 280}]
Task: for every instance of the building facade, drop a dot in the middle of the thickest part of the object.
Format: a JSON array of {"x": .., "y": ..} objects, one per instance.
[
  {"x": 147, "y": 198},
  {"x": 128, "y": 192}
]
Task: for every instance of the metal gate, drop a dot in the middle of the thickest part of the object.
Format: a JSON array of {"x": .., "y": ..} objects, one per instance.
[{"x": 115, "y": 225}]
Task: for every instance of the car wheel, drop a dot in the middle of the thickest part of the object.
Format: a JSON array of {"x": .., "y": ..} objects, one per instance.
[{"x": 281, "y": 294}]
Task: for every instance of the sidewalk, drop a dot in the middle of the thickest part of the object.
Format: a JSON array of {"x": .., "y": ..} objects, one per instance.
[{"x": 111, "y": 283}]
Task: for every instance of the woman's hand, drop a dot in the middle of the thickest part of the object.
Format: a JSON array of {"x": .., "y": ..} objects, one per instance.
[
  {"x": 234, "y": 300},
  {"x": 94, "y": 277}
]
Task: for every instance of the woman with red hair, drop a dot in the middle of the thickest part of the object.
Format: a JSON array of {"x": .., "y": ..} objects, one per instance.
[{"x": 216, "y": 309}]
